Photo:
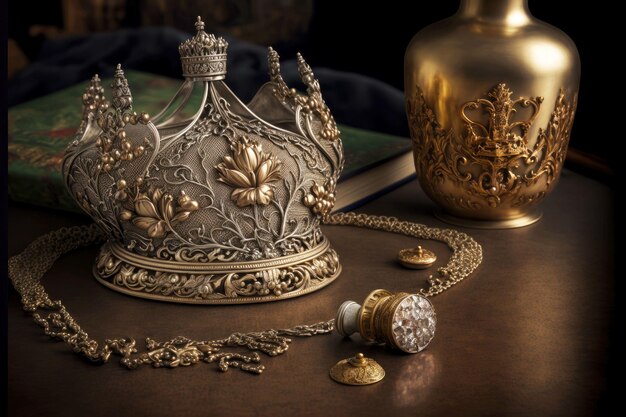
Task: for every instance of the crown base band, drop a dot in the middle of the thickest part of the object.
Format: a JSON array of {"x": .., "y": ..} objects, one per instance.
[{"x": 229, "y": 283}]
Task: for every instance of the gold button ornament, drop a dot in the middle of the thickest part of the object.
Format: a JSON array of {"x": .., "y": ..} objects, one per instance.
[
  {"x": 357, "y": 370},
  {"x": 416, "y": 258}
]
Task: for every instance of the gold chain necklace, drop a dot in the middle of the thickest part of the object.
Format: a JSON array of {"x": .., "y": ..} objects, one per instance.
[{"x": 28, "y": 268}]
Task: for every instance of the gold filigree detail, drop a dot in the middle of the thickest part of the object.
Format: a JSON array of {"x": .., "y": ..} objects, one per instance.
[
  {"x": 217, "y": 287},
  {"x": 312, "y": 103},
  {"x": 156, "y": 212},
  {"x": 250, "y": 171},
  {"x": 491, "y": 162},
  {"x": 321, "y": 199}
]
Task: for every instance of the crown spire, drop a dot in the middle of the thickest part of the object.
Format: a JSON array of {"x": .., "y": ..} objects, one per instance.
[
  {"x": 199, "y": 24},
  {"x": 94, "y": 100},
  {"x": 203, "y": 56},
  {"x": 122, "y": 98}
]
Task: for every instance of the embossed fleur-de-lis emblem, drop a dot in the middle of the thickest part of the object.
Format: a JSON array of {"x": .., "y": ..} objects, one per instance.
[
  {"x": 250, "y": 171},
  {"x": 500, "y": 136}
]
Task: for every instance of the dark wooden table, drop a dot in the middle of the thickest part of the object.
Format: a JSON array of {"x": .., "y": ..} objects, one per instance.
[{"x": 527, "y": 334}]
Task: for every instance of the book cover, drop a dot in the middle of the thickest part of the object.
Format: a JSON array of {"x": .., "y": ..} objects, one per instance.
[{"x": 40, "y": 130}]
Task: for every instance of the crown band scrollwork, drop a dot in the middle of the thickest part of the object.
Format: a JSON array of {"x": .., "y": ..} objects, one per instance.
[{"x": 221, "y": 283}]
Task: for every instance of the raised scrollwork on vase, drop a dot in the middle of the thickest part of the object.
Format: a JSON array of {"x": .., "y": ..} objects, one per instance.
[{"x": 491, "y": 161}]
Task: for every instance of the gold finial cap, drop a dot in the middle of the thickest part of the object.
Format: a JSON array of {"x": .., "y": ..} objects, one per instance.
[
  {"x": 416, "y": 258},
  {"x": 203, "y": 56},
  {"x": 357, "y": 370}
]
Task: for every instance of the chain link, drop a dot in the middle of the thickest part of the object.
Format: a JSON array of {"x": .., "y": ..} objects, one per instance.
[
  {"x": 28, "y": 268},
  {"x": 467, "y": 254}
]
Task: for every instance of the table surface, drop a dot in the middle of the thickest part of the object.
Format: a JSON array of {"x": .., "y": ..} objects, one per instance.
[{"x": 526, "y": 334}]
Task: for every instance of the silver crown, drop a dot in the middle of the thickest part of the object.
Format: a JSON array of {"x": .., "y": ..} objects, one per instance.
[
  {"x": 223, "y": 206},
  {"x": 204, "y": 55}
]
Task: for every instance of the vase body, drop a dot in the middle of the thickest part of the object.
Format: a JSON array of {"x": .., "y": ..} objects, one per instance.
[{"x": 491, "y": 94}]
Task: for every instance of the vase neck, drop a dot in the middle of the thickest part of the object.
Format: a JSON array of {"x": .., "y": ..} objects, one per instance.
[{"x": 503, "y": 12}]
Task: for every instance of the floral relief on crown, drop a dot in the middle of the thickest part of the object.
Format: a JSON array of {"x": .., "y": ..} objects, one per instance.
[{"x": 251, "y": 172}]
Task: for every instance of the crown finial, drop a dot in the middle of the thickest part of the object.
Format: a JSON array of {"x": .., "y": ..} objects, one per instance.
[
  {"x": 94, "y": 101},
  {"x": 204, "y": 55},
  {"x": 199, "y": 24},
  {"x": 122, "y": 98}
]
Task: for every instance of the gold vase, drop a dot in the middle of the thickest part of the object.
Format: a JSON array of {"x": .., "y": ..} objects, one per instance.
[{"x": 491, "y": 94}]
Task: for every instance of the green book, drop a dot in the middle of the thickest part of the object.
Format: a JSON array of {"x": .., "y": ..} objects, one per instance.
[{"x": 40, "y": 130}]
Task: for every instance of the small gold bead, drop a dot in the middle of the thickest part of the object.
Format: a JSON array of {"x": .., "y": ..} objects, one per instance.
[
  {"x": 139, "y": 150},
  {"x": 121, "y": 195}
]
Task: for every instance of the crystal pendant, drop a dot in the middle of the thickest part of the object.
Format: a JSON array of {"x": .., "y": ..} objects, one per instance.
[
  {"x": 413, "y": 323},
  {"x": 403, "y": 321}
]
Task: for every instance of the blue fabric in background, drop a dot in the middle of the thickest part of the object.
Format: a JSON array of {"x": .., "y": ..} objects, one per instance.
[{"x": 354, "y": 99}]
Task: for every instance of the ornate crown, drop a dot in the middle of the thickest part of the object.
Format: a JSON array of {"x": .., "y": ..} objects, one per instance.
[{"x": 223, "y": 206}]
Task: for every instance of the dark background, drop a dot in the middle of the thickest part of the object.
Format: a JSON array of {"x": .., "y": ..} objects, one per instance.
[{"x": 370, "y": 38}]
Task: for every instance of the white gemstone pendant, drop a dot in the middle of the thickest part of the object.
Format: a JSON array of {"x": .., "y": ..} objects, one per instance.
[
  {"x": 413, "y": 323},
  {"x": 403, "y": 321}
]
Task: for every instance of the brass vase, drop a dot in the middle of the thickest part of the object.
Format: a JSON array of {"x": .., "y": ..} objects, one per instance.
[{"x": 491, "y": 94}]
